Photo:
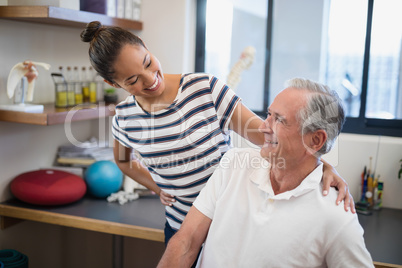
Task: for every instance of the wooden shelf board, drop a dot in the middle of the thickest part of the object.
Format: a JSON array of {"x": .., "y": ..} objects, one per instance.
[
  {"x": 52, "y": 115},
  {"x": 63, "y": 17}
]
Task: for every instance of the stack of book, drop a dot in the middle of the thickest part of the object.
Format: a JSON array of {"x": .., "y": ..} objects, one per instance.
[{"x": 84, "y": 154}]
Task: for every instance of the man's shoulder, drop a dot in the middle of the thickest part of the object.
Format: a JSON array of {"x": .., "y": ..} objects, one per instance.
[
  {"x": 243, "y": 151},
  {"x": 333, "y": 211},
  {"x": 242, "y": 160},
  {"x": 244, "y": 154}
]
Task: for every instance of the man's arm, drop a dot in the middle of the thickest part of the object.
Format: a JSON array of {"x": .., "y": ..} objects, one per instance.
[
  {"x": 348, "y": 249},
  {"x": 183, "y": 247}
]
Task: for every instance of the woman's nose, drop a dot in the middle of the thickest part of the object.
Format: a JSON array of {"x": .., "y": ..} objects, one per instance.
[{"x": 149, "y": 78}]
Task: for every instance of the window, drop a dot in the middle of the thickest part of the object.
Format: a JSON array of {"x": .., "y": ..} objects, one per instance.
[
  {"x": 385, "y": 63},
  {"x": 234, "y": 27},
  {"x": 353, "y": 46},
  {"x": 364, "y": 63},
  {"x": 345, "y": 51}
]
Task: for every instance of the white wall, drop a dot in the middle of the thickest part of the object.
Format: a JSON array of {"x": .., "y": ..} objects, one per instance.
[
  {"x": 353, "y": 152},
  {"x": 169, "y": 33}
]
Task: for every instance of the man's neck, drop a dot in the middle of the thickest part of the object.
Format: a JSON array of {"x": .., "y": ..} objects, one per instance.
[{"x": 287, "y": 178}]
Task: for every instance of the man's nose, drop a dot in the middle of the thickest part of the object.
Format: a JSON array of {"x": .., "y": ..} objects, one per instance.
[{"x": 265, "y": 125}]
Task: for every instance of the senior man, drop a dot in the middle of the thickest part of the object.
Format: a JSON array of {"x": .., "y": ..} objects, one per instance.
[{"x": 265, "y": 209}]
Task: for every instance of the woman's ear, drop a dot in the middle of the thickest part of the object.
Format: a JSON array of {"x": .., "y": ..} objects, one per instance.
[{"x": 111, "y": 83}]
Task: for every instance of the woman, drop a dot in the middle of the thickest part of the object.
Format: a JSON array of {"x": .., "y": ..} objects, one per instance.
[{"x": 178, "y": 123}]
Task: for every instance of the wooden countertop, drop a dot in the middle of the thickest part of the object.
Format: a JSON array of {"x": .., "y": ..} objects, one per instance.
[{"x": 142, "y": 218}]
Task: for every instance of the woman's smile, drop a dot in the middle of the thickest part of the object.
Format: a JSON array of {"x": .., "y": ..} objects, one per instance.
[{"x": 155, "y": 85}]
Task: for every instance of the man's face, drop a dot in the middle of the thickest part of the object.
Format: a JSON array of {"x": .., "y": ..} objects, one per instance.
[{"x": 283, "y": 140}]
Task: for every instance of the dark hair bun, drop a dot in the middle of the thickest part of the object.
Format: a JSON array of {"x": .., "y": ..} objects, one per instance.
[{"x": 90, "y": 31}]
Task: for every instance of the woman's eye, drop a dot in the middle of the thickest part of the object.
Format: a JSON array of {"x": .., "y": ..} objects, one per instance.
[
  {"x": 135, "y": 81},
  {"x": 149, "y": 64}
]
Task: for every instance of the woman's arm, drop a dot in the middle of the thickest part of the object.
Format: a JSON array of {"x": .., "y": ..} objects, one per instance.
[
  {"x": 136, "y": 171},
  {"x": 331, "y": 178},
  {"x": 246, "y": 123}
]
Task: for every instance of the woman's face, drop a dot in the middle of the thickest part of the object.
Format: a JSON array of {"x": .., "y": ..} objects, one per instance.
[{"x": 138, "y": 72}]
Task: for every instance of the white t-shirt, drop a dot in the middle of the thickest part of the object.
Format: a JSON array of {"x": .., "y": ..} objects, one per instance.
[{"x": 253, "y": 227}]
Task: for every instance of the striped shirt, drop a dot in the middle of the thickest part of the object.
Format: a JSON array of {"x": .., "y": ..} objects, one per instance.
[{"x": 181, "y": 145}]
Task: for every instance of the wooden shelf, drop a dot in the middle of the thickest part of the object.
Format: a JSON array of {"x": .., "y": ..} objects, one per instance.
[
  {"x": 53, "y": 116},
  {"x": 63, "y": 16}
]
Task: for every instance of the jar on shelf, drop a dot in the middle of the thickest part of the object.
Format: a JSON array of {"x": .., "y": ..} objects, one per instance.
[
  {"x": 61, "y": 90},
  {"x": 70, "y": 87},
  {"x": 61, "y": 95}
]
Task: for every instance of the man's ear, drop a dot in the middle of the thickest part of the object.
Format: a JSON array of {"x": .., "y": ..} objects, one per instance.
[
  {"x": 111, "y": 83},
  {"x": 317, "y": 140}
]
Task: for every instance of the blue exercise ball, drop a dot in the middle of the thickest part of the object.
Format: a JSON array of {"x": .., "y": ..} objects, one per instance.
[{"x": 103, "y": 178}]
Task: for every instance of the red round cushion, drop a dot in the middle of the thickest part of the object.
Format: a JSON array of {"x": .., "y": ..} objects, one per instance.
[{"x": 48, "y": 187}]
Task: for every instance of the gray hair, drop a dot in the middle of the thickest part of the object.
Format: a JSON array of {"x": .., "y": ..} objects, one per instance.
[{"x": 324, "y": 110}]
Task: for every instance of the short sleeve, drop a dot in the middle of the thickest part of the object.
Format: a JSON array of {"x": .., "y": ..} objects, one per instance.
[
  {"x": 118, "y": 133},
  {"x": 349, "y": 243},
  {"x": 216, "y": 185},
  {"x": 225, "y": 101}
]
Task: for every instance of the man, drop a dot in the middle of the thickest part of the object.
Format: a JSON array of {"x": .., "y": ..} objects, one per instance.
[{"x": 265, "y": 209}]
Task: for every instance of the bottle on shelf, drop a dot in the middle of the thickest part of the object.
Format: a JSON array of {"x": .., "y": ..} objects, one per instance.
[
  {"x": 85, "y": 84},
  {"x": 60, "y": 86},
  {"x": 100, "y": 86},
  {"x": 70, "y": 87},
  {"x": 92, "y": 85},
  {"x": 77, "y": 86}
]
